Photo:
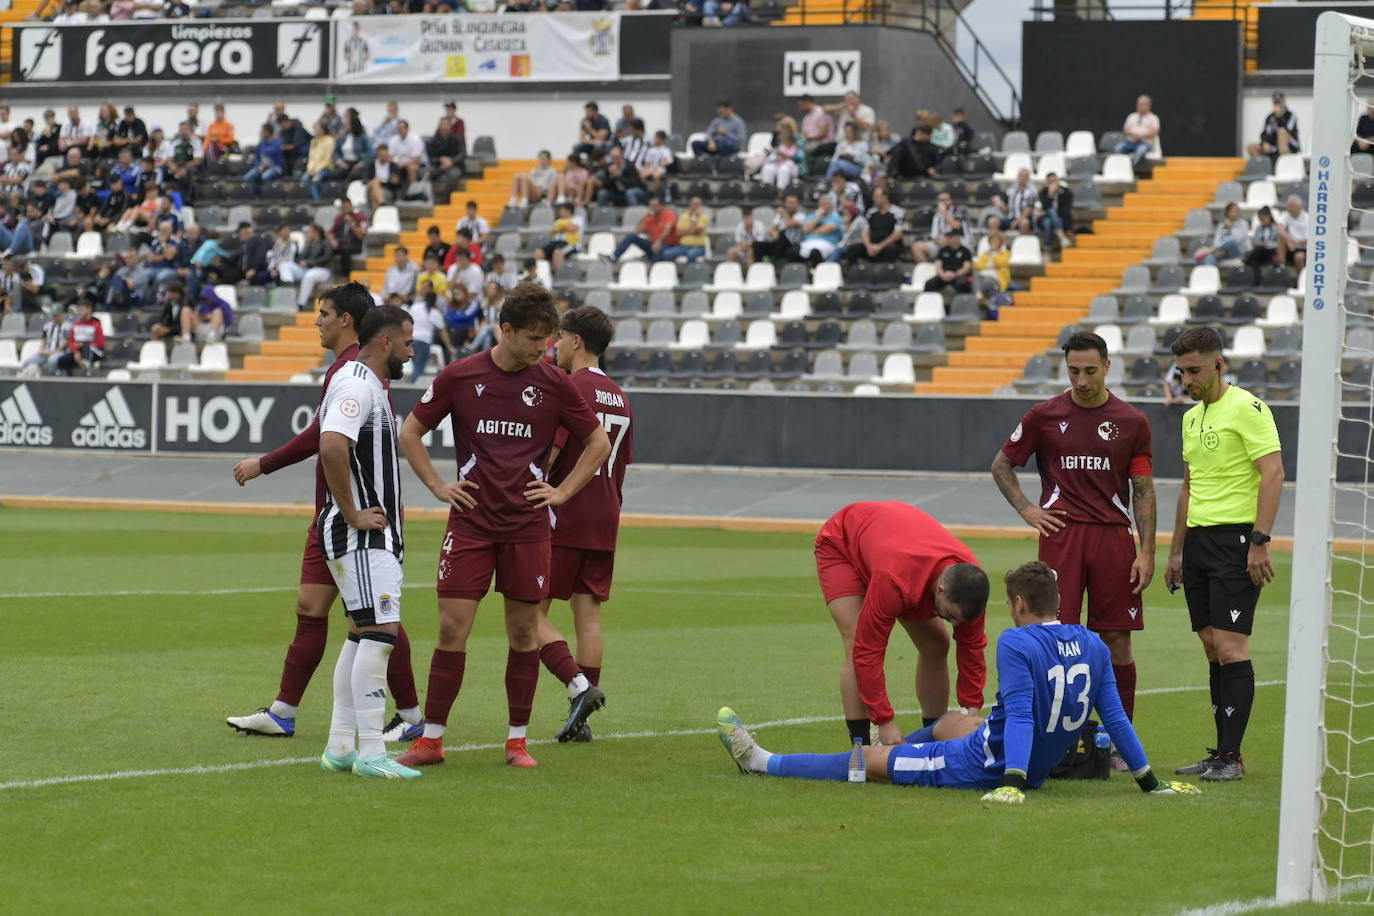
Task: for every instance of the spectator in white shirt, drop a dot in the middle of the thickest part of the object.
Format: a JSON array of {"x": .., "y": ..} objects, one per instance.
[
  {"x": 478, "y": 228},
  {"x": 1293, "y": 232},
  {"x": 400, "y": 276},
  {"x": 408, "y": 150},
  {"x": 464, "y": 272},
  {"x": 748, "y": 232},
  {"x": 1141, "y": 130},
  {"x": 74, "y": 133},
  {"x": 536, "y": 184},
  {"x": 853, "y": 111},
  {"x": 70, "y": 15},
  {"x": 1022, "y": 199},
  {"x": 656, "y": 162}
]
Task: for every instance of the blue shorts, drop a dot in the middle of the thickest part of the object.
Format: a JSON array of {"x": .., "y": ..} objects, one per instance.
[{"x": 964, "y": 763}]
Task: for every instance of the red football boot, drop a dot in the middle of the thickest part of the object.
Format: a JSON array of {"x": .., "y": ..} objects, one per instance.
[
  {"x": 423, "y": 752},
  {"x": 517, "y": 755}
]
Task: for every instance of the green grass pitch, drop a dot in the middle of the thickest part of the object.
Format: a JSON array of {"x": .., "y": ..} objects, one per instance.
[{"x": 651, "y": 817}]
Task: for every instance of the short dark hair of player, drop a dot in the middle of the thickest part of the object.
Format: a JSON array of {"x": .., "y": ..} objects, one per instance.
[
  {"x": 351, "y": 299},
  {"x": 1085, "y": 340},
  {"x": 966, "y": 585},
  {"x": 1037, "y": 584},
  {"x": 381, "y": 318},
  {"x": 529, "y": 307},
  {"x": 1197, "y": 340},
  {"x": 591, "y": 324}
]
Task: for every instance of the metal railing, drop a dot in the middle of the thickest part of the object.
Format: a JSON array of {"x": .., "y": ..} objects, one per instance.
[{"x": 1049, "y": 10}]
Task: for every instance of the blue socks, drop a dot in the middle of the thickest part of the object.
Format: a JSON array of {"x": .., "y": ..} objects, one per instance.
[
  {"x": 810, "y": 766},
  {"x": 922, "y": 736}
]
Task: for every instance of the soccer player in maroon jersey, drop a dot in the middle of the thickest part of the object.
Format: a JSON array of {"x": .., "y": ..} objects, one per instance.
[
  {"x": 1093, "y": 452},
  {"x": 340, "y": 311},
  {"x": 882, "y": 563},
  {"x": 584, "y": 538},
  {"x": 506, "y": 405}
]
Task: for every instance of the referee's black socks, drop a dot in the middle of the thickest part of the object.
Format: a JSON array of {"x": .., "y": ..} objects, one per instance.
[
  {"x": 1237, "y": 683},
  {"x": 1214, "y": 680}
]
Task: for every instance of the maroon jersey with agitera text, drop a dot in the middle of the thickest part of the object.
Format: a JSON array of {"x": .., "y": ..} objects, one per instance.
[
  {"x": 504, "y": 424},
  {"x": 1086, "y": 456},
  {"x": 591, "y": 519}
]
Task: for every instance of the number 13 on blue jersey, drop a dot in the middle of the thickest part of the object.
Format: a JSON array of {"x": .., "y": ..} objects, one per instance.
[{"x": 1069, "y": 680}]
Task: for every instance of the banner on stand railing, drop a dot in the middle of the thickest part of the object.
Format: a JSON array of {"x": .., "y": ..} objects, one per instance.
[{"x": 474, "y": 48}]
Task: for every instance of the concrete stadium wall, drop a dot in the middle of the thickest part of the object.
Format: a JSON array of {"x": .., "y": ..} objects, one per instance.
[{"x": 672, "y": 427}]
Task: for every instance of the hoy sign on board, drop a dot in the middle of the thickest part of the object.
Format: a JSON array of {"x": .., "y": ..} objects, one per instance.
[{"x": 820, "y": 72}]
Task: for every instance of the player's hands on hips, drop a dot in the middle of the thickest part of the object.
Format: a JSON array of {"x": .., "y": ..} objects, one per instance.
[
  {"x": 370, "y": 519},
  {"x": 1046, "y": 521},
  {"x": 246, "y": 470},
  {"x": 456, "y": 494},
  {"x": 543, "y": 494},
  {"x": 1173, "y": 573},
  {"x": 1006, "y": 795},
  {"x": 1259, "y": 564},
  {"x": 1142, "y": 571},
  {"x": 1175, "y": 787},
  {"x": 891, "y": 733}
]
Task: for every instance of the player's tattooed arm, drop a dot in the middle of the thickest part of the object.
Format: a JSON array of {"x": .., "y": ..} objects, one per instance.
[
  {"x": 1143, "y": 502},
  {"x": 1045, "y": 521}
]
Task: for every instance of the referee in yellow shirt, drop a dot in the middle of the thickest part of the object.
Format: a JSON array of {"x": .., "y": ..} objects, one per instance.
[{"x": 1220, "y": 551}]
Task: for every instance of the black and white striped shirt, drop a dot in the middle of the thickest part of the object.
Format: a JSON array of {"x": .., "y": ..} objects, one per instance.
[
  {"x": 635, "y": 148},
  {"x": 1020, "y": 199},
  {"x": 356, "y": 405}
]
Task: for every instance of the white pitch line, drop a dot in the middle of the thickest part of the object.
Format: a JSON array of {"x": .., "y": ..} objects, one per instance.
[
  {"x": 1236, "y": 907},
  {"x": 291, "y": 588},
  {"x": 621, "y": 736}
]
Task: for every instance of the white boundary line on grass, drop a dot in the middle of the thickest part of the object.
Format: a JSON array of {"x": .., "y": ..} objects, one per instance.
[
  {"x": 291, "y": 588},
  {"x": 291, "y": 761},
  {"x": 1236, "y": 907}
]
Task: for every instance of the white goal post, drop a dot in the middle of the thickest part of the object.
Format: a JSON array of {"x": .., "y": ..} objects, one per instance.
[{"x": 1303, "y": 873}]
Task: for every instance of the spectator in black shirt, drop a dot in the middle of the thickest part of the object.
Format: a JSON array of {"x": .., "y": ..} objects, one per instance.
[
  {"x": 1364, "y": 130},
  {"x": 1280, "y": 132},
  {"x": 963, "y": 133},
  {"x": 955, "y": 268},
  {"x": 295, "y": 142},
  {"x": 113, "y": 207},
  {"x": 594, "y": 132},
  {"x": 446, "y": 152},
  {"x": 915, "y": 157},
  {"x": 621, "y": 185},
  {"x": 437, "y": 247},
  {"x": 48, "y": 135},
  {"x": 130, "y": 132},
  {"x": 882, "y": 240},
  {"x": 1056, "y": 213}
]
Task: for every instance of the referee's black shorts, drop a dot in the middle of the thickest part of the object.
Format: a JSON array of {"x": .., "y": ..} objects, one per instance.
[{"x": 1215, "y": 581}]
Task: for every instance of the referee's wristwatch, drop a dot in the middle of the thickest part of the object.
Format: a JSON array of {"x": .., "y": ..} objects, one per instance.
[{"x": 1259, "y": 537}]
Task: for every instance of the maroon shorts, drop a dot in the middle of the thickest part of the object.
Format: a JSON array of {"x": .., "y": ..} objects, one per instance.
[
  {"x": 839, "y": 577},
  {"x": 1096, "y": 559},
  {"x": 466, "y": 567},
  {"x": 581, "y": 572},
  {"x": 314, "y": 567}
]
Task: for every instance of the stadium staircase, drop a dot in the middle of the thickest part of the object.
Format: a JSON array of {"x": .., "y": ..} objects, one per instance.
[
  {"x": 1246, "y": 11},
  {"x": 830, "y": 12},
  {"x": 19, "y": 11},
  {"x": 994, "y": 357}
]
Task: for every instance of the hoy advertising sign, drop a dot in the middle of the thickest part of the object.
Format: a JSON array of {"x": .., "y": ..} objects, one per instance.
[{"x": 820, "y": 72}]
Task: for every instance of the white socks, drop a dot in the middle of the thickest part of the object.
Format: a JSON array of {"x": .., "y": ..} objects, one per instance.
[
  {"x": 342, "y": 727},
  {"x": 758, "y": 760},
  {"x": 411, "y": 716},
  {"x": 282, "y": 710},
  {"x": 369, "y": 693},
  {"x": 578, "y": 684},
  {"x": 516, "y": 731},
  {"x": 433, "y": 731}
]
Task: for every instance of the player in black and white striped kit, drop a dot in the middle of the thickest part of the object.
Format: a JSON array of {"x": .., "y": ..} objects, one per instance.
[{"x": 360, "y": 532}]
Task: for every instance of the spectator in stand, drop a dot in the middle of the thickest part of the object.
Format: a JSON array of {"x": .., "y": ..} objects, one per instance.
[
  {"x": 1293, "y": 233},
  {"x": 464, "y": 274},
  {"x": 295, "y": 143},
  {"x": 401, "y": 275},
  {"x": 625, "y": 122},
  {"x": 536, "y": 184},
  {"x": 817, "y": 130},
  {"x": 384, "y": 178},
  {"x": 186, "y": 160},
  {"x": 954, "y": 265},
  {"x": 56, "y": 331},
  {"x": 69, "y": 14},
  {"x": 433, "y": 274},
  {"x": 634, "y": 143},
  {"x": 823, "y": 231},
  {"x": 268, "y": 161},
  {"x": 853, "y": 109},
  {"x": 15, "y": 175},
  {"x": 725, "y": 135},
  {"x": 219, "y": 137},
  {"x": 851, "y": 154},
  {"x": 456, "y": 124},
  {"x": 693, "y": 232},
  {"x": 1056, "y": 213},
  {"x": 162, "y": 260},
  {"x": 915, "y": 157},
  {"x": 75, "y": 133},
  {"x": 427, "y": 314},
  {"x": 1279, "y": 134},
  {"x": 656, "y": 231},
  {"x": 408, "y": 151},
  {"x": 1022, "y": 200},
  {"x": 749, "y": 233},
  {"x": 281, "y": 261},
  {"x": 461, "y": 319},
  {"x": 1230, "y": 241},
  {"x": 724, "y": 12},
  {"x": 319, "y": 161},
  {"x": 347, "y": 234},
  {"x": 566, "y": 236},
  {"x": 882, "y": 238},
  {"x": 47, "y": 142},
  {"x": 353, "y": 151},
  {"x": 86, "y": 342},
  {"x": 386, "y": 131},
  {"x": 63, "y": 215},
  {"x": 576, "y": 183},
  {"x": 329, "y": 121},
  {"x": 178, "y": 315},
  {"x": 462, "y": 240},
  {"x": 658, "y": 160},
  {"x": 963, "y": 133},
  {"x": 130, "y": 132},
  {"x": 948, "y": 216},
  {"x": 786, "y": 234},
  {"x": 250, "y": 260},
  {"x": 778, "y": 167},
  {"x": 1364, "y": 130},
  {"x": 446, "y": 153},
  {"x": 593, "y": 132},
  {"x": 477, "y": 227},
  {"x": 942, "y": 135},
  {"x": 880, "y": 148},
  {"x": 112, "y": 208},
  {"x": 435, "y": 245},
  {"x": 21, "y": 283},
  {"x": 993, "y": 266},
  {"x": 212, "y": 313},
  {"x": 621, "y": 185},
  {"x": 1141, "y": 130},
  {"x": 1264, "y": 243},
  {"x": 312, "y": 266}
]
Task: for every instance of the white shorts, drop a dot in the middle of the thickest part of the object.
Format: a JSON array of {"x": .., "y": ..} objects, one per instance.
[{"x": 369, "y": 582}]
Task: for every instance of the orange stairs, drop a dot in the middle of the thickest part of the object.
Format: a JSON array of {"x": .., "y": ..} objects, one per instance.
[
  {"x": 997, "y": 353},
  {"x": 1246, "y": 11},
  {"x": 296, "y": 350},
  {"x": 828, "y": 12}
]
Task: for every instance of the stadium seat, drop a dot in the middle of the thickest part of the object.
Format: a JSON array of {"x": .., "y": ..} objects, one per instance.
[
  {"x": 1196, "y": 225},
  {"x": 1289, "y": 167},
  {"x": 1257, "y": 167},
  {"x": 88, "y": 245},
  {"x": 863, "y": 367},
  {"x": 866, "y": 390},
  {"x": 658, "y": 366},
  {"x": 385, "y": 221},
  {"x": 1260, "y": 194},
  {"x": 827, "y": 305},
  {"x": 963, "y": 309},
  {"x": 1358, "y": 381},
  {"x": 625, "y": 366},
  {"x": 1244, "y": 310},
  {"x": 598, "y": 276},
  {"x": 793, "y": 276},
  {"x": 859, "y": 275},
  {"x": 540, "y": 218},
  {"x": 249, "y": 327},
  {"x": 1080, "y": 169},
  {"x": 12, "y": 327},
  {"x": 759, "y": 364},
  {"x": 759, "y": 304},
  {"x": 863, "y": 335},
  {"x": 1112, "y": 335},
  {"x": 484, "y": 147},
  {"x": 1300, "y": 291},
  {"x": 1287, "y": 341},
  {"x": 898, "y": 369},
  {"x": 1038, "y": 370},
  {"x": 1081, "y": 143},
  {"x": 628, "y": 334},
  {"x": 1136, "y": 279},
  {"x": 792, "y": 335},
  {"x": 1051, "y": 164},
  {"x": 1025, "y": 251},
  {"x": 887, "y": 275},
  {"x": 661, "y": 303},
  {"x": 633, "y": 276},
  {"x": 827, "y": 277},
  {"x": 728, "y": 278},
  {"x": 1013, "y": 165},
  {"x": 1136, "y": 309},
  {"x": 828, "y": 336},
  {"x": 356, "y": 192},
  {"x": 1169, "y": 279},
  {"x": 660, "y": 333},
  {"x": 928, "y": 307},
  {"x": 1144, "y": 371},
  {"x": 152, "y": 356},
  {"x": 919, "y": 276},
  {"x": 59, "y": 244},
  {"x": 1173, "y": 310},
  {"x": 1166, "y": 252},
  {"x": 930, "y": 338},
  {"x": 629, "y": 219},
  {"x": 1116, "y": 169},
  {"x": 693, "y": 335},
  {"x": 9, "y": 355},
  {"x": 726, "y": 307},
  {"x": 760, "y": 336},
  {"x": 795, "y": 305},
  {"x": 1205, "y": 280},
  {"x": 695, "y": 304},
  {"x": 1208, "y": 310},
  {"x": 828, "y": 365},
  {"x": 214, "y": 358},
  {"x": 1359, "y": 343},
  {"x": 629, "y": 303},
  {"x": 1104, "y": 309},
  {"x": 1016, "y": 141},
  {"x": 1140, "y": 340},
  {"x": 662, "y": 277},
  {"x": 761, "y": 278},
  {"x": 1253, "y": 376},
  {"x": 1287, "y": 378},
  {"x": 1049, "y": 141},
  {"x": 724, "y": 364},
  {"x": 567, "y": 276},
  {"x": 695, "y": 276},
  {"x": 795, "y": 364}
]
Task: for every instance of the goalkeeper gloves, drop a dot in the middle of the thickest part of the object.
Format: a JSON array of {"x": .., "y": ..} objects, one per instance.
[
  {"x": 1175, "y": 787},
  {"x": 1007, "y": 795}
]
